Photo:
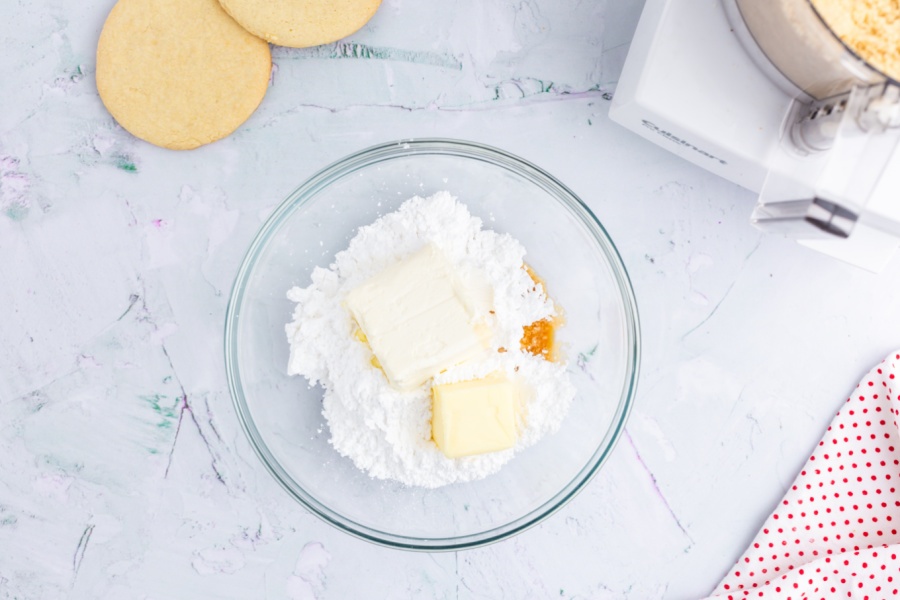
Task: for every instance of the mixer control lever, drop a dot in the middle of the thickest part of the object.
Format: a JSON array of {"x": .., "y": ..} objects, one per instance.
[{"x": 805, "y": 219}]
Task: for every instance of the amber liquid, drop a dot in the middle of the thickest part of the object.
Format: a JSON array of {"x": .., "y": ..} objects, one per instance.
[{"x": 539, "y": 338}]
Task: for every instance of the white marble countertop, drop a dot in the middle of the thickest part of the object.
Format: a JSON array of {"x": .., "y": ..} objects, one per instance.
[{"x": 116, "y": 261}]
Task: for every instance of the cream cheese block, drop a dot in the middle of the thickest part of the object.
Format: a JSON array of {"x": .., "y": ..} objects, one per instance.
[{"x": 420, "y": 317}]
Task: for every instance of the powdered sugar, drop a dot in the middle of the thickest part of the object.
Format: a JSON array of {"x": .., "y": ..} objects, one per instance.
[{"x": 387, "y": 432}]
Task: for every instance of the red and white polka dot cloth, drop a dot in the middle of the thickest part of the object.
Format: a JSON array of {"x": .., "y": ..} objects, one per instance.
[{"x": 836, "y": 534}]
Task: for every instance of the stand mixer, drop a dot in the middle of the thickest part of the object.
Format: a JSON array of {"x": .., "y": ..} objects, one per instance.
[{"x": 765, "y": 94}]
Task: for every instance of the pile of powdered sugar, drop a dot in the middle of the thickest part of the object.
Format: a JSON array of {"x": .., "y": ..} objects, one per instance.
[{"x": 386, "y": 432}]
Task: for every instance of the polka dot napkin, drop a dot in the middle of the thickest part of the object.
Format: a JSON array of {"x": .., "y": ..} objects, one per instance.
[{"x": 835, "y": 534}]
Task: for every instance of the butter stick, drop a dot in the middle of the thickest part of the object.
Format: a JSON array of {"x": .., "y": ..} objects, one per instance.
[{"x": 474, "y": 417}]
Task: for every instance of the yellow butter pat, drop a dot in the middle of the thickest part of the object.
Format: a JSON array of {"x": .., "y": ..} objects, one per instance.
[{"x": 474, "y": 417}]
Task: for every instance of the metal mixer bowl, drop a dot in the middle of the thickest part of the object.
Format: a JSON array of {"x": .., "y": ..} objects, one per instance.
[{"x": 793, "y": 44}]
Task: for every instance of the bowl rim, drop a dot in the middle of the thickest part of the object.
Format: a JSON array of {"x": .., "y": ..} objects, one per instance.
[{"x": 465, "y": 149}]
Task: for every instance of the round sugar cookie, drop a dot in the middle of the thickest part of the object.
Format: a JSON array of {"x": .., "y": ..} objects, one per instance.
[
  {"x": 301, "y": 23},
  {"x": 179, "y": 73}
]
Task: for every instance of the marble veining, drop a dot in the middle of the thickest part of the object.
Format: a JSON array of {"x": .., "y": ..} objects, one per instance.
[{"x": 123, "y": 470}]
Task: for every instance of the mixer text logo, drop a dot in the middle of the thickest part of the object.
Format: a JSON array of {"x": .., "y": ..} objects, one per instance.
[{"x": 679, "y": 141}]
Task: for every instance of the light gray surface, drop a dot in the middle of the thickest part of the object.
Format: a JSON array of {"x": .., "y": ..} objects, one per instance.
[{"x": 117, "y": 260}]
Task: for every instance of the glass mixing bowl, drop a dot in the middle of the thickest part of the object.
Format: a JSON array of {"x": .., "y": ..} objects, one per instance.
[{"x": 566, "y": 245}]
